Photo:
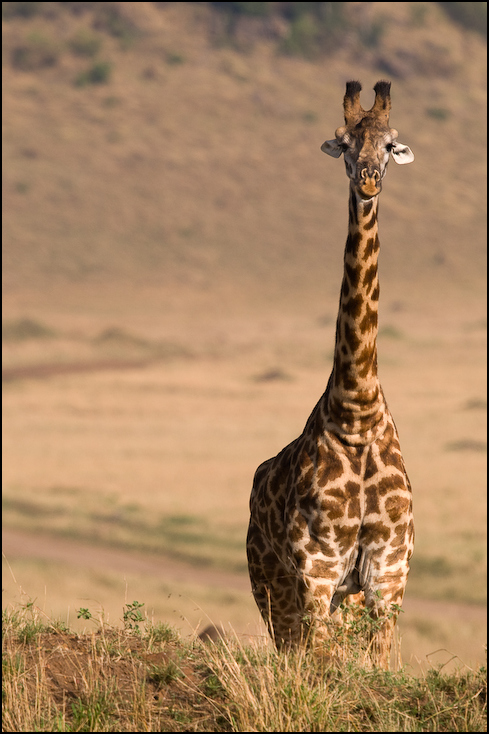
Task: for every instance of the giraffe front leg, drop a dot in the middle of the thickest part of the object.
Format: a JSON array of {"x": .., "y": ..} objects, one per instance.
[
  {"x": 380, "y": 631},
  {"x": 277, "y": 590},
  {"x": 383, "y": 567},
  {"x": 360, "y": 628},
  {"x": 383, "y": 597},
  {"x": 319, "y": 624}
]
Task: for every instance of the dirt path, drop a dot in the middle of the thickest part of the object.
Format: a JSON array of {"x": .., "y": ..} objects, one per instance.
[
  {"x": 40, "y": 371},
  {"x": 19, "y": 544}
]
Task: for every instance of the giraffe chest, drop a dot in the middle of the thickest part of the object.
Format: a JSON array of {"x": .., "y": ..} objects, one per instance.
[{"x": 320, "y": 498}]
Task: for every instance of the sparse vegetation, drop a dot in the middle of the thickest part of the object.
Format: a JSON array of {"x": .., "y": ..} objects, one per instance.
[
  {"x": 111, "y": 18},
  {"x": 36, "y": 52},
  {"x": 186, "y": 537},
  {"x": 390, "y": 332},
  {"x": 25, "y": 328},
  {"x": 467, "y": 444},
  {"x": 470, "y": 15},
  {"x": 85, "y": 43},
  {"x": 438, "y": 113},
  {"x": 114, "y": 680},
  {"x": 174, "y": 59},
  {"x": 132, "y": 616},
  {"x": 308, "y": 29},
  {"x": 21, "y": 9},
  {"x": 178, "y": 233}
]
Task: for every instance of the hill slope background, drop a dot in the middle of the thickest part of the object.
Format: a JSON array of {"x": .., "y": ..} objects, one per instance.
[
  {"x": 203, "y": 162},
  {"x": 167, "y": 207}
]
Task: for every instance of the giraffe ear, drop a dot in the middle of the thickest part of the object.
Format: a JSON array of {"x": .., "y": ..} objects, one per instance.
[
  {"x": 332, "y": 148},
  {"x": 402, "y": 154}
]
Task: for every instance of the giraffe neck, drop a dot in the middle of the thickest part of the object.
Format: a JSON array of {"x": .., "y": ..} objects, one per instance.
[{"x": 355, "y": 400}]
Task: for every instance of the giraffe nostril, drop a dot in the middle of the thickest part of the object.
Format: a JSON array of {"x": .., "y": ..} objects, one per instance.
[{"x": 373, "y": 174}]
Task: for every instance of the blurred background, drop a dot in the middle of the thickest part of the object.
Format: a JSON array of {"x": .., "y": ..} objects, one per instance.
[{"x": 172, "y": 258}]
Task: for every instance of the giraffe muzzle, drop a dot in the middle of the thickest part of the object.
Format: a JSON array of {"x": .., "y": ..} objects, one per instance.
[{"x": 369, "y": 183}]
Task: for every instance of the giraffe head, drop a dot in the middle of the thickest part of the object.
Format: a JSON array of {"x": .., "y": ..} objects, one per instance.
[{"x": 366, "y": 140}]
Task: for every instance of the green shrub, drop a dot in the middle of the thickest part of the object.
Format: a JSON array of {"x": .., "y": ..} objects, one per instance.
[
  {"x": 174, "y": 59},
  {"x": 438, "y": 113},
  {"x": 98, "y": 73}
]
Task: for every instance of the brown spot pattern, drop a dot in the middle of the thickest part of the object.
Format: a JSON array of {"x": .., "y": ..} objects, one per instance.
[
  {"x": 323, "y": 570},
  {"x": 369, "y": 277},
  {"x": 396, "y": 507},
  {"x": 330, "y": 466}
]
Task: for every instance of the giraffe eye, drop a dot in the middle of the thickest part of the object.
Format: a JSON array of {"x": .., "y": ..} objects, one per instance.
[
  {"x": 344, "y": 147},
  {"x": 389, "y": 147}
]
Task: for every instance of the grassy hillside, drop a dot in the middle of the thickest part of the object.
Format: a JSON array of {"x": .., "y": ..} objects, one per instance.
[
  {"x": 145, "y": 678},
  {"x": 142, "y": 146}
]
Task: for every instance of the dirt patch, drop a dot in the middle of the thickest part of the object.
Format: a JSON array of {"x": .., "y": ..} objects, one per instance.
[
  {"x": 39, "y": 371},
  {"x": 102, "y": 676}
]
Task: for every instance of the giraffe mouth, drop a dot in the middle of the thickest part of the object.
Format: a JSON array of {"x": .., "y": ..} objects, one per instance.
[
  {"x": 368, "y": 182},
  {"x": 367, "y": 188}
]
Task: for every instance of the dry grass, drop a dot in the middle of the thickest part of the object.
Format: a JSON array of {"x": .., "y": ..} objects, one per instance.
[
  {"x": 182, "y": 218},
  {"x": 144, "y": 678}
]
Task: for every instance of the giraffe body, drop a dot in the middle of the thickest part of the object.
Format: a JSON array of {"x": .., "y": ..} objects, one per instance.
[{"x": 331, "y": 514}]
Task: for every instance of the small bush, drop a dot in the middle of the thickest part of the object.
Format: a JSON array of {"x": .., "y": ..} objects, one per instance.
[
  {"x": 469, "y": 15},
  {"x": 418, "y": 14},
  {"x": 303, "y": 39},
  {"x": 237, "y": 8},
  {"x": 371, "y": 34},
  {"x": 314, "y": 28},
  {"x": 20, "y": 10},
  {"x": 36, "y": 53},
  {"x": 98, "y": 73},
  {"x": 111, "y": 19},
  {"x": 438, "y": 113},
  {"x": 174, "y": 59},
  {"x": 78, "y": 8},
  {"x": 22, "y": 329},
  {"x": 85, "y": 43}
]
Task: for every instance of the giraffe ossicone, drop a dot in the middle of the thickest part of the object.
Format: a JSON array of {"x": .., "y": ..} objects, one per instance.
[{"x": 331, "y": 514}]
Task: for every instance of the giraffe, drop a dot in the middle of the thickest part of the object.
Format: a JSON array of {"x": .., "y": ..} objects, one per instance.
[{"x": 331, "y": 514}]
